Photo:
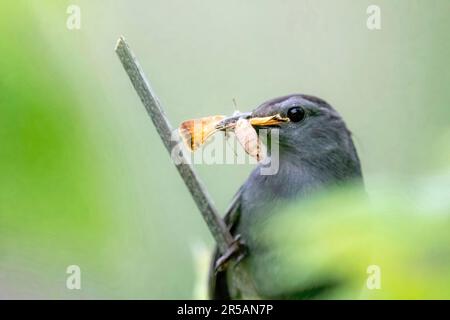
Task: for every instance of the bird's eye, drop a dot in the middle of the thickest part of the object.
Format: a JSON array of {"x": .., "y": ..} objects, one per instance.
[{"x": 296, "y": 114}]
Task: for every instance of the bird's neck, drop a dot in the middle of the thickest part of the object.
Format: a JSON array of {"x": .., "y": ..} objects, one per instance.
[{"x": 328, "y": 168}]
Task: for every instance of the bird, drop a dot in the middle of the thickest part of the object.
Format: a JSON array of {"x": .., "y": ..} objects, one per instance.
[{"x": 315, "y": 152}]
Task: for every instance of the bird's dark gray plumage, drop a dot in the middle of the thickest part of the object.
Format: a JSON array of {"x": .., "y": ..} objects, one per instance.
[{"x": 315, "y": 152}]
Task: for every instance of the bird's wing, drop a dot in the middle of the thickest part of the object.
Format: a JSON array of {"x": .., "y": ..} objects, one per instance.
[
  {"x": 217, "y": 282},
  {"x": 233, "y": 212}
]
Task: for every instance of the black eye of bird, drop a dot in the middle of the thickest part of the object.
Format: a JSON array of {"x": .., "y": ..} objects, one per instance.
[{"x": 296, "y": 114}]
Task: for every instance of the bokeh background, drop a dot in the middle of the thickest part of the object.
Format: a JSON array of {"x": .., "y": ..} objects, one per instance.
[{"x": 84, "y": 178}]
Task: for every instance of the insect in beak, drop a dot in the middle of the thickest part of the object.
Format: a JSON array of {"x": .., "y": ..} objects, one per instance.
[
  {"x": 243, "y": 125},
  {"x": 195, "y": 132},
  {"x": 230, "y": 122},
  {"x": 249, "y": 140}
]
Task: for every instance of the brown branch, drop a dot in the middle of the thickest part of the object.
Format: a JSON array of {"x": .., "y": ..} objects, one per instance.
[{"x": 216, "y": 226}]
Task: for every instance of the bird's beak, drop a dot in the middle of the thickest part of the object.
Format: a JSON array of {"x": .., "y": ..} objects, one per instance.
[
  {"x": 230, "y": 122},
  {"x": 269, "y": 121}
]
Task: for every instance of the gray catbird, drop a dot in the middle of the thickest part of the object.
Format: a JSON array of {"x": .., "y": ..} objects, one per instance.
[{"x": 316, "y": 151}]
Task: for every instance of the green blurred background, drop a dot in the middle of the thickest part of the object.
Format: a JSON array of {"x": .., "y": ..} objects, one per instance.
[{"x": 84, "y": 178}]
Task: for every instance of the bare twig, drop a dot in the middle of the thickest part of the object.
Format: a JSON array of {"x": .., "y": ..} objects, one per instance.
[{"x": 217, "y": 227}]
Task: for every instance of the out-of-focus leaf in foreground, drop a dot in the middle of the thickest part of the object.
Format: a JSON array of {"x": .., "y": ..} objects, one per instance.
[{"x": 346, "y": 238}]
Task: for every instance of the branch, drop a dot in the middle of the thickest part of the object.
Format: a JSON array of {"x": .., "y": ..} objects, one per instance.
[{"x": 216, "y": 226}]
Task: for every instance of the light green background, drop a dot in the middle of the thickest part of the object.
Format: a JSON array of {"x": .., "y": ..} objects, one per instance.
[{"x": 84, "y": 178}]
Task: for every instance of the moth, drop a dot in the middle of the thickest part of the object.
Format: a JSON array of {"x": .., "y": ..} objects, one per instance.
[
  {"x": 195, "y": 132},
  {"x": 248, "y": 138}
]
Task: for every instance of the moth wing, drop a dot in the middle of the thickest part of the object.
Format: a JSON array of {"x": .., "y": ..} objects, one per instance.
[{"x": 194, "y": 132}]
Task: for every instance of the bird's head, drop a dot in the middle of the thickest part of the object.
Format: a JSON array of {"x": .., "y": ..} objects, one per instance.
[{"x": 308, "y": 126}]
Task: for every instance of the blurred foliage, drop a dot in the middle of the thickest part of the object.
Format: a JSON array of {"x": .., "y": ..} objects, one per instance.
[
  {"x": 338, "y": 235},
  {"x": 84, "y": 178}
]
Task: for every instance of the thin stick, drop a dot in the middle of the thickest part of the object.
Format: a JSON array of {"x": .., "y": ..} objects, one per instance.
[{"x": 216, "y": 226}]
